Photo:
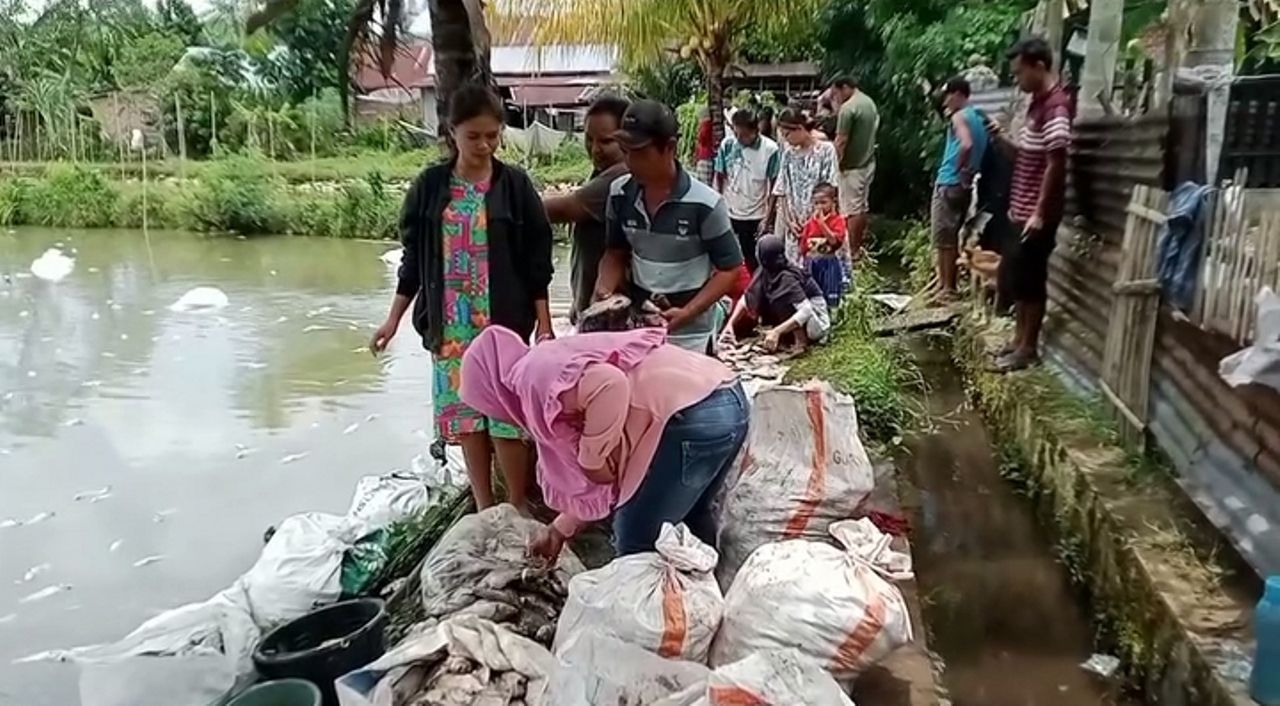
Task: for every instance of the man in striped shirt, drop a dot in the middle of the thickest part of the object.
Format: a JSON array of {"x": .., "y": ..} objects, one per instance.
[{"x": 1036, "y": 198}]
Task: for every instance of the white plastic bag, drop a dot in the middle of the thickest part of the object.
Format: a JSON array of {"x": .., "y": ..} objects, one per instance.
[
  {"x": 598, "y": 670},
  {"x": 864, "y": 540},
  {"x": 382, "y": 500},
  {"x": 495, "y": 543},
  {"x": 777, "y": 678},
  {"x": 195, "y": 655},
  {"x": 300, "y": 568},
  {"x": 802, "y": 468},
  {"x": 827, "y": 603},
  {"x": 492, "y": 646},
  {"x": 1260, "y": 362},
  {"x": 666, "y": 601}
]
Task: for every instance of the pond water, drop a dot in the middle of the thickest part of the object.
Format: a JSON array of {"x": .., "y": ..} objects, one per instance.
[{"x": 207, "y": 427}]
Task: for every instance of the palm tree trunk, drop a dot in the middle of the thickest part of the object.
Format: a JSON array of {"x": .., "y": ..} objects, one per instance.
[
  {"x": 1098, "y": 76},
  {"x": 460, "y": 46},
  {"x": 713, "y": 73}
]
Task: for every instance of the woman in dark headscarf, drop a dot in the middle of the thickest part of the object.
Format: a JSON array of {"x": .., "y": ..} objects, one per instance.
[{"x": 784, "y": 297}]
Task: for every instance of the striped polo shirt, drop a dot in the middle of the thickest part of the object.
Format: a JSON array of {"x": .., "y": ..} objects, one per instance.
[
  {"x": 1047, "y": 129},
  {"x": 675, "y": 250}
]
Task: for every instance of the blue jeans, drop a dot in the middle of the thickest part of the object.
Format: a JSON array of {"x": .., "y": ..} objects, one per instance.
[{"x": 698, "y": 447}]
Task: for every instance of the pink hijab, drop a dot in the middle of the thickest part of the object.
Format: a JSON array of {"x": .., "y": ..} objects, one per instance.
[{"x": 502, "y": 377}]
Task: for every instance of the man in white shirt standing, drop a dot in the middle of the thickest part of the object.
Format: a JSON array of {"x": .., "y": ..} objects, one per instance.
[{"x": 746, "y": 166}]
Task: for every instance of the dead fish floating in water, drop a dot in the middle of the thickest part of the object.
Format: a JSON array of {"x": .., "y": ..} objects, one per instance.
[
  {"x": 8, "y": 618},
  {"x": 293, "y": 457},
  {"x": 163, "y": 515},
  {"x": 46, "y": 656},
  {"x": 148, "y": 561},
  {"x": 46, "y": 593},
  {"x": 40, "y": 517},
  {"x": 115, "y": 546},
  {"x": 10, "y": 522},
  {"x": 33, "y": 572},
  {"x": 93, "y": 495}
]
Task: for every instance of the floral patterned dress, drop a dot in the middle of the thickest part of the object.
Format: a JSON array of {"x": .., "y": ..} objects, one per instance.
[
  {"x": 800, "y": 171},
  {"x": 466, "y": 309}
]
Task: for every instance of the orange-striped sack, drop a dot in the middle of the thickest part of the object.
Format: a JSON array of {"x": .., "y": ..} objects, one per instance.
[
  {"x": 775, "y": 678},
  {"x": 803, "y": 467},
  {"x": 826, "y": 602},
  {"x": 666, "y": 601}
]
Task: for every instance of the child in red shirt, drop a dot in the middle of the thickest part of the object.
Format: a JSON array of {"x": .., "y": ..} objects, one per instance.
[{"x": 820, "y": 243}]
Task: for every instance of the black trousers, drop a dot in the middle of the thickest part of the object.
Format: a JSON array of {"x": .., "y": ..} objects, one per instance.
[{"x": 746, "y": 232}]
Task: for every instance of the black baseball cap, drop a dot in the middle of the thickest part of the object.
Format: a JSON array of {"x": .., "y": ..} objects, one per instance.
[{"x": 645, "y": 122}]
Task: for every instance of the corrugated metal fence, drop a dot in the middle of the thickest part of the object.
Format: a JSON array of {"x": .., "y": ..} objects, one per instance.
[{"x": 1224, "y": 443}]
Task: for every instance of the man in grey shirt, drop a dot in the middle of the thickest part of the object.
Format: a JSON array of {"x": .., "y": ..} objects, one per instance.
[
  {"x": 670, "y": 230},
  {"x": 585, "y": 207}
]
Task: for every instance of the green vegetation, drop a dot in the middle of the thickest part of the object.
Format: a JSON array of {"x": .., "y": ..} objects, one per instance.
[
  {"x": 356, "y": 197},
  {"x": 879, "y": 373}
]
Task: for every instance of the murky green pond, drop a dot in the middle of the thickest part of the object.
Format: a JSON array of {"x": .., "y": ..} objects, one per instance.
[{"x": 206, "y": 427}]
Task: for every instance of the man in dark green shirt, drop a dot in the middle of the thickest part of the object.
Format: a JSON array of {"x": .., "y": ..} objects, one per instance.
[
  {"x": 857, "y": 122},
  {"x": 585, "y": 207}
]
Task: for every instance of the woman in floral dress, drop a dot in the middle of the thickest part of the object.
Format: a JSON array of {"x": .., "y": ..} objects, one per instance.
[
  {"x": 477, "y": 252},
  {"x": 806, "y": 163}
]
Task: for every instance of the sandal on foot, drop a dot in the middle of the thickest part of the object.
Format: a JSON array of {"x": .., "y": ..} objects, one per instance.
[{"x": 1016, "y": 360}]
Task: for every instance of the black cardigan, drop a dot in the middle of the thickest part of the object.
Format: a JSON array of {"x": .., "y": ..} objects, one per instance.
[{"x": 519, "y": 250}]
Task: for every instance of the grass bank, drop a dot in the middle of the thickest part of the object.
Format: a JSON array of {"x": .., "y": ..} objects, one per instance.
[
  {"x": 879, "y": 373},
  {"x": 355, "y": 197}
]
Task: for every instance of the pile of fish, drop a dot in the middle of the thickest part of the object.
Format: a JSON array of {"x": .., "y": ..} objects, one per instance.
[
  {"x": 481, "y": 568},
  {"x": 620, "y": 313},
  {"x": 526, "y": 601},
  {"x": 458, "y": 681},
  {"x": 750, "y": 360}
]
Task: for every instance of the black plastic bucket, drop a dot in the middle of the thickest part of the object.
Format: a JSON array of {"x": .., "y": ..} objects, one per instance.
[
  {"x": 324, "y": 644},
  {"x": 285, "y": 692}
]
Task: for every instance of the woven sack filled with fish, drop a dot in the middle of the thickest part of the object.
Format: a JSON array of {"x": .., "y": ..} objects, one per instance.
[{"x": 482, "y": 567}]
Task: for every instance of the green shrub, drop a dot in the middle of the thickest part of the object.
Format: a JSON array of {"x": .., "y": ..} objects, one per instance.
[
  {"x": 15, "y": 201},
  {"x": 879, "y": 373},
  {"x": 74, "y": 197},
  {"x": 234, "y": 195},
  {"x": 366, "y": 209}
]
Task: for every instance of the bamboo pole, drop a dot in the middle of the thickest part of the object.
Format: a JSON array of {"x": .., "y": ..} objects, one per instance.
[
  {"x": 313, "y": 136},
  {"x": 116, "y": 122},
  {"x": 213, "y": 125},
  {"x": 182, "y": 137}
]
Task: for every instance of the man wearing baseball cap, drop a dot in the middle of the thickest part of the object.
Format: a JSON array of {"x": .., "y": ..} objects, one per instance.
[{"x": 671, "y": 231}]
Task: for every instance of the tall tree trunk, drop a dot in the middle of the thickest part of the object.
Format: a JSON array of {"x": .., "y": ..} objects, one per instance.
[
  {"x": 1103, "y": 46},
  {"x": 713, "y": 74},
  {"x": 460, "y": 47}
]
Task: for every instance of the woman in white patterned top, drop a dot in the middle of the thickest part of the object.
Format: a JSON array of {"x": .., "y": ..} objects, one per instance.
[{"x": 806, "y": 163}]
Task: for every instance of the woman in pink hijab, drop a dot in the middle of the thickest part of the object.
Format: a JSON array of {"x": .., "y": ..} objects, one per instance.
[{"x": 624, "y": 423}]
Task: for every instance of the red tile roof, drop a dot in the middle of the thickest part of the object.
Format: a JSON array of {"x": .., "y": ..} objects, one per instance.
[{"x": 408, "y": 70}]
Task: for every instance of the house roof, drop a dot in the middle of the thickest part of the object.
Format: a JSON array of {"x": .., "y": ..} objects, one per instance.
[
  {"x": 411, "y": 68},
  {"x": 529, "y": 60},
  {"x": 548, "y": 94}
]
